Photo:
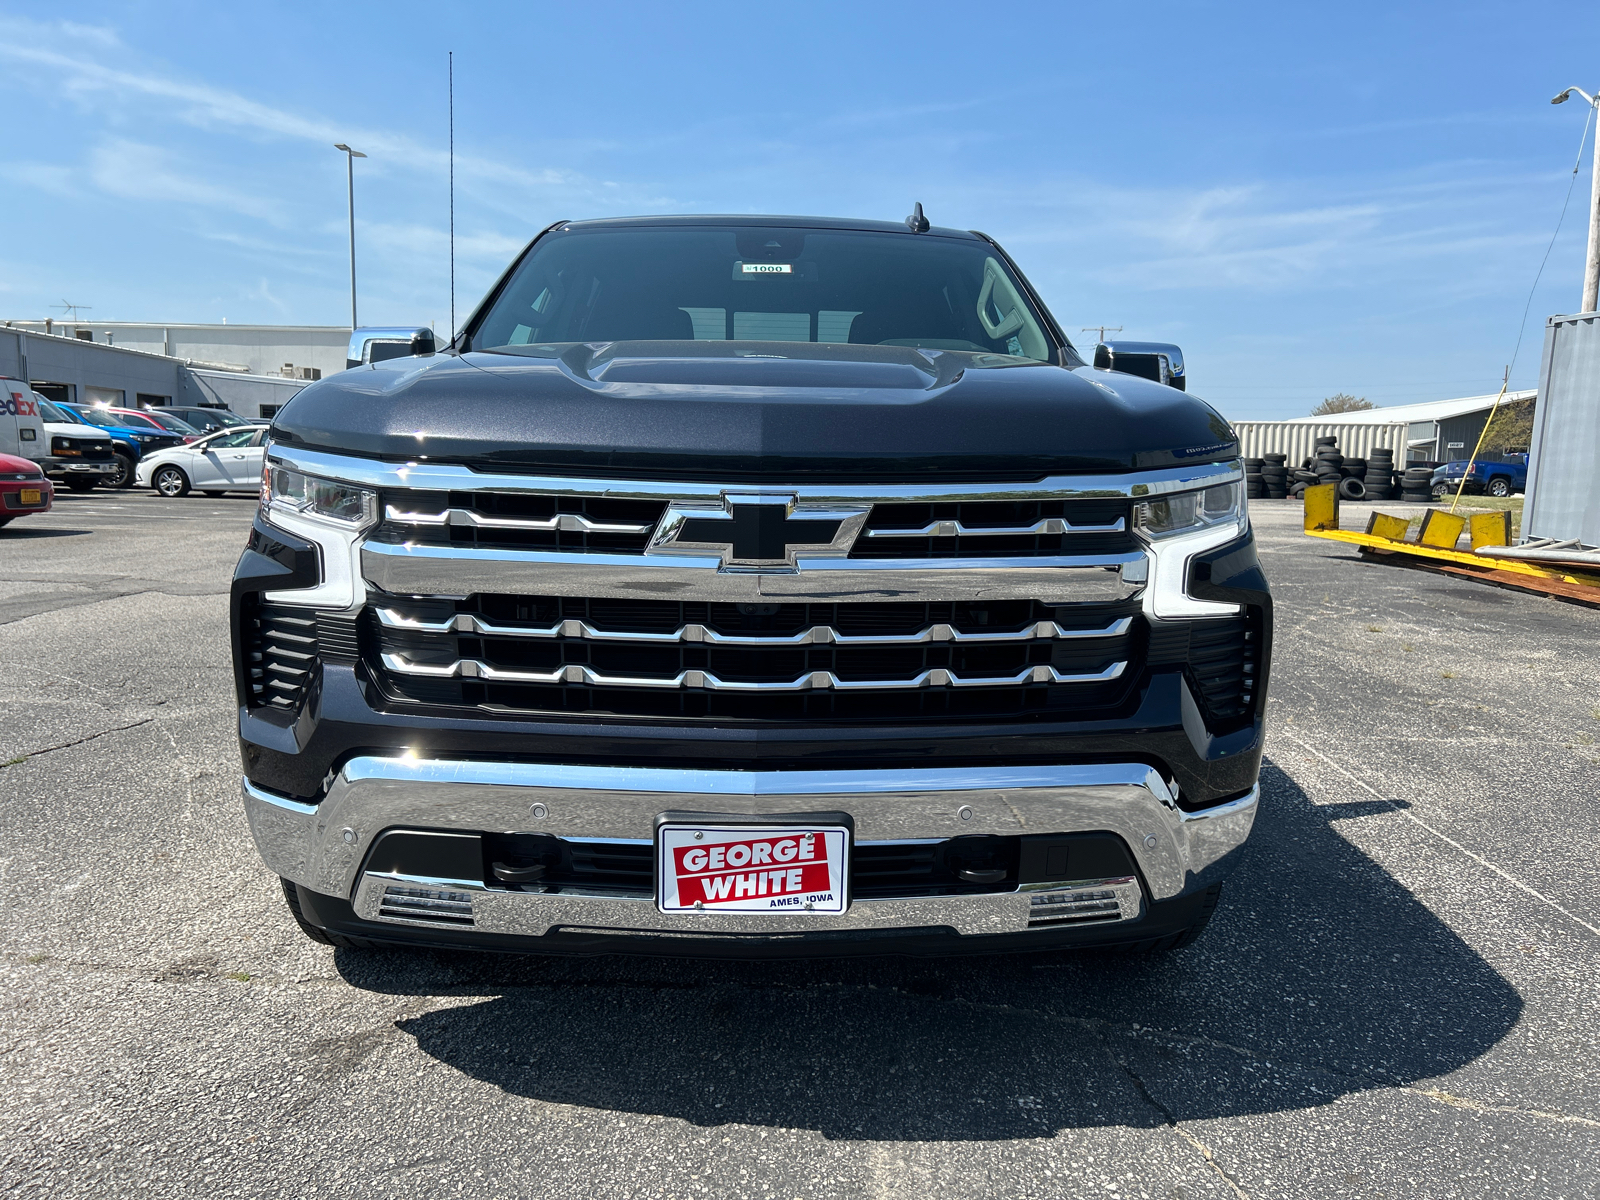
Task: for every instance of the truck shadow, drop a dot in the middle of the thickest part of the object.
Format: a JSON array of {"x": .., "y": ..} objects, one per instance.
[{"x": 1320, "y": 976}]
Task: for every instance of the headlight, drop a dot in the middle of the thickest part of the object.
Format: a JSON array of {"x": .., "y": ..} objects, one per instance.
[
  {"x": 1189, "y": 512},
  {"x": 328, "y": 499}
]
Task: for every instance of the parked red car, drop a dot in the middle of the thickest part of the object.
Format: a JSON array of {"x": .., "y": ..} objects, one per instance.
[
  {"x": 23, "y": 488},
  {"x": 165, "y": 422}
]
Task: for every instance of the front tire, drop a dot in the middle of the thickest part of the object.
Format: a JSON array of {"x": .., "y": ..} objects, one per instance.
[
  {"x": 170, "y": 482},
  {"x": 123, "y": 476},
  {"x": 1500, "y": 487},
  {"x": 1441, "y": 490}
]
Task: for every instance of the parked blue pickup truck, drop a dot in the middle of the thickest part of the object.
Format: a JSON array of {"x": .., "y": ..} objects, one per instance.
[
  {"x": 1493, "y": 478},
  {"x": 129, "y": 444}
]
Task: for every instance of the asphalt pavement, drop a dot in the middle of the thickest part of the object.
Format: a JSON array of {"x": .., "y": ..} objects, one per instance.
[{"x": 1398, "y": 998}]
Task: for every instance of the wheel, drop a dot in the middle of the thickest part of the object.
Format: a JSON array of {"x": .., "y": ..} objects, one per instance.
[
  {"x": 123, "y": 476},
  {"x": 1441, "y": 490},
  {"x": 171, "y": 482},
  {"x": 216, "y": 495},
  {"x": 81, "y": 483},
  {"x": 1500, "y": 486},
  {"x": 291, "y": 896}
]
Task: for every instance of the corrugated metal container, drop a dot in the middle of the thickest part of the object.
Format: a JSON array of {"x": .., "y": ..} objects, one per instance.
[
  {"x": 1563, "y": 497},
  {"x": 1298, "y": 439}
]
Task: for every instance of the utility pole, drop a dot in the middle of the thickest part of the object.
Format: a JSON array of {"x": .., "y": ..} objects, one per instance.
[
  {"x": 1591, "y": 269},
  {"x": 1102, "y": 330},
  {"x": 350, "y": 157}
]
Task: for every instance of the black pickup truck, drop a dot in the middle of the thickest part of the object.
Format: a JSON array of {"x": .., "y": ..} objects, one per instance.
[{"x": 752, "y": 586}]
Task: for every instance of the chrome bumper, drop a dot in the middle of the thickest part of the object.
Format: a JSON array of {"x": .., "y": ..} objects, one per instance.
[{"x": 322, "y": 846}]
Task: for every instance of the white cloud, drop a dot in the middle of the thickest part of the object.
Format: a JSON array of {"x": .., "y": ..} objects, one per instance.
[
  {"x": 66, "y": 72},
  {"x": 134, "y": 171}
]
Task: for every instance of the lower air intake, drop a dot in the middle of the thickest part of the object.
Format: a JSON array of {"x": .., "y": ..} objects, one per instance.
[
  {"x": 429, "y": 905},
  {"x": 1089, "y": 903}
]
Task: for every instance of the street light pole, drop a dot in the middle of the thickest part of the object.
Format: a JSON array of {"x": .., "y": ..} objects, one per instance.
[
  {"x": 1591, "y": 270},
  {"x": 350, "y": 157}
]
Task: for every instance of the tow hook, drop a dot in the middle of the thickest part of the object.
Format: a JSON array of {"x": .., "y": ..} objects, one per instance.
[{"x": 509, "y": 874}]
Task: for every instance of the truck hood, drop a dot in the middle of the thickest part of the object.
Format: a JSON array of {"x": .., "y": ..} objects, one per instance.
[
  {"x": 90, "y": 433},
  {"x": 755, "y": 410}
]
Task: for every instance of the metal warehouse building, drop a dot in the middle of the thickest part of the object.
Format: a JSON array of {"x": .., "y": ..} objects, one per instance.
[
  {"x": 295, "y": 351},
  {"x": 1435, "y": 431},
  {"x": 73, "y": 369}
]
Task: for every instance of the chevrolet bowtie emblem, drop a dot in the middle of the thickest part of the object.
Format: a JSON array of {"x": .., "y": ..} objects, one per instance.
[{"x": 759, "y": 531}]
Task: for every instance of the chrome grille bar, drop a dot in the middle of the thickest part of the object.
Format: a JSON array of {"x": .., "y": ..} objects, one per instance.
[
  {"x": 817, "y": 635},
  {"x": 471, "y": 668},
  {"x": 1049, "y": 525},
  {"x": 561, "y": 522}
]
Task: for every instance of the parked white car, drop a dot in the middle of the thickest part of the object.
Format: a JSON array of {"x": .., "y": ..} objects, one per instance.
[{"x": 227, "y": 461}]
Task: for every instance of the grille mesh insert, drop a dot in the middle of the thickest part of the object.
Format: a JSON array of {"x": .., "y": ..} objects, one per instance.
[{"x": 759, "y": 664}]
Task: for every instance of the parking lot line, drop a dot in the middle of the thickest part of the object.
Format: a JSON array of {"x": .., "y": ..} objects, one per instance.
[{"x": 1443, "y": 837}]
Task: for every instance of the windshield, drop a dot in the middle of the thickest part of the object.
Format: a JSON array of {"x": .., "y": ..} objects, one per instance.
[
  {"x": 50, "y": 412},
  {"x": 764, "y": 284},
  {"x": 99, "y": 416},
  {"x": 171, "y": 424},
  {"x": 136, "y": 420},
  {"x": 215, "y": 416}
]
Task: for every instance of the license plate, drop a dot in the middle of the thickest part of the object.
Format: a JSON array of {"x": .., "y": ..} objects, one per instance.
[
  {"x": 752, "y": 868},
  {"x": 32, "y": 496}
]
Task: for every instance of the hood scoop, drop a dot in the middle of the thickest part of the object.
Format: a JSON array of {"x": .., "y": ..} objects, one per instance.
[{"x": 780, "y": 366}]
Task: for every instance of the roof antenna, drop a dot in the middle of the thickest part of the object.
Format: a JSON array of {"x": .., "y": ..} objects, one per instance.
[
  {"x": 451, "y": 61},
  {"x": 916, "y": 222}
]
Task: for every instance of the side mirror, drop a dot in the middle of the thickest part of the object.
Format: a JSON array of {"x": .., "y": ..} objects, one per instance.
[
  {"x": 372, "y": 345},
  {"x": 1160, "y": 361}
]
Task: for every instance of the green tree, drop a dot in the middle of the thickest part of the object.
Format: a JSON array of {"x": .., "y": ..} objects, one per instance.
[
  {"x": 1510, "y": 430},
  {"x": 1341, "y": 402}
]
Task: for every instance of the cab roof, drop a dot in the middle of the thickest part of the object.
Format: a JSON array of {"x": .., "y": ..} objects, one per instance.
[{"x": 757, "y": 222}]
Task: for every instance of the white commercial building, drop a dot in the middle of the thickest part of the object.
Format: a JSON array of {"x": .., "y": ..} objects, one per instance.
[{"x": 287, "y": 351}]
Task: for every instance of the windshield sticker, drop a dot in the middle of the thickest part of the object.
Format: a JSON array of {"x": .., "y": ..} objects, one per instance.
[{"x": 766, "y": 268}]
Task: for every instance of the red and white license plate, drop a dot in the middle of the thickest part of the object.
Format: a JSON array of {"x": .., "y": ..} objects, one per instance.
[{"x": 752, "y": 868}]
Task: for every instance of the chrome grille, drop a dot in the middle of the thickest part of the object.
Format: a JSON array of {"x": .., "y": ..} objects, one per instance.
[
  {"x": 519, "y": 521},
  {"x": 752, "y": 661},
  {"x": 995, "y": 529}
]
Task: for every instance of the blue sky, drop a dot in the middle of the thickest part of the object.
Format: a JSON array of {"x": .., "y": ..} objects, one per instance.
[{"x": 1308, "y": 199}]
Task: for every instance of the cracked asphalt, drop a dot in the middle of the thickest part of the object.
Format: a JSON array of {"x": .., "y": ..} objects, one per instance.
[{"x": 1398, "y": 998}]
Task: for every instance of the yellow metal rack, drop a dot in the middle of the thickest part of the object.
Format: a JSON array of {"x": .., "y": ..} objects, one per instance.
[{"x": 1435, "y": 547}]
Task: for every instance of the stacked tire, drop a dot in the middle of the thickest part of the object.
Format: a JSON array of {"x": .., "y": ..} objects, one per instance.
[
  {"x": 1329, "y": 462},
  {"x": 1379, "y": 474},
  {"x": 1254, "y": 487},
  {"x": 1416, "y": 485},
  {"x": 1275, "y": 475}
]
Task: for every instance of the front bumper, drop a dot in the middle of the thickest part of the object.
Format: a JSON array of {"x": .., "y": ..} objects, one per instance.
[
  {"x": 325, "y": 847},
  {"x": 61, "y": 468}
]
